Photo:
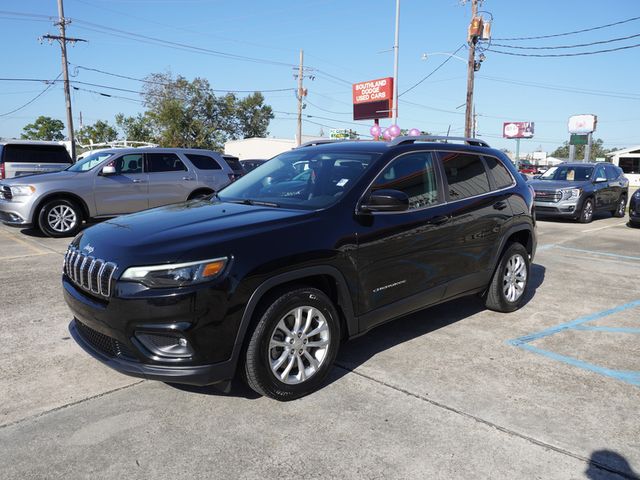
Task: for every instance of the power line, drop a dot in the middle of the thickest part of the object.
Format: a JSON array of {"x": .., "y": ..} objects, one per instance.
[
  {"x": 579, "y": 45},
  {"x": 570, "y": 33},
  {"x": 51, "y": 84},
  {"x": 433, "y": 71},
  {"x": 328, "y": 111},
  {"x": 548, "y": 55}
]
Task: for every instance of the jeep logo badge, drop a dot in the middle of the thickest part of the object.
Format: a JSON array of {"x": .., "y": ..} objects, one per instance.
[{"x": 88, "y": 248}]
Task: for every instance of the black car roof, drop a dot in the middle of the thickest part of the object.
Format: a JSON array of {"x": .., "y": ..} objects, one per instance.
[{"x": 383, "y": 147}]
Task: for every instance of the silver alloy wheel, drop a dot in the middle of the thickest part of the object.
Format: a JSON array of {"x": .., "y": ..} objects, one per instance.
[
  {"x": 62, "y": 218},
  {"x": 622, "y": 205},
  {"x": 298, "y": 345},
  {"x": 588, "y": 210},
  {"x": 515, "y": 278}
]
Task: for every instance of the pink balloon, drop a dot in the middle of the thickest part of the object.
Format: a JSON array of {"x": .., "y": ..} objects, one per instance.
[
  {"x": 375, "y": 131},
  {"x": 414, "y": 132},
  {"x": 386, "y": 134},
  {"x": 394, "y": 131}
]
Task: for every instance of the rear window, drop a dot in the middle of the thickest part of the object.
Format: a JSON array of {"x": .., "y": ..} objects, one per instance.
[
  {"x": 164, "y": 162},
  {"x": 234, "y": 163},
  {"x": 204, "y": 162},
  {"x": 35, "y": 154},
  {"x": 466, "y": 175}
]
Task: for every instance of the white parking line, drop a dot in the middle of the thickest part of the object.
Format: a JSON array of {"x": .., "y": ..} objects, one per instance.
[
  {"x": 21, "y": 242},
  {"x": 27, "y": 255},
  {"x": 602, "y": 228}
]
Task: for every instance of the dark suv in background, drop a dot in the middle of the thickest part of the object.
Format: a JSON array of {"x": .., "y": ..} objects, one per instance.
[
  {"x": 270, "y": 276},
  {"x": 578, "y": 190}
]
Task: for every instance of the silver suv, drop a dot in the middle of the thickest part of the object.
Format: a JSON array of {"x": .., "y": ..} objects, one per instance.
[{"x": 111, "y": 183}]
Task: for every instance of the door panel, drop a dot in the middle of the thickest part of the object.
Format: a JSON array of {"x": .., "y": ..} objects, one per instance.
[
  {"x": 169, "y": 179},
  {"x": 602, "y": 190},
  {"x": 126, "y": 191}
]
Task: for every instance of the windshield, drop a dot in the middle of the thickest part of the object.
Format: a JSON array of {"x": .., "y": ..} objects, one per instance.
[
  {"x": 303, "y": 178},
  {"x": 568, "y": 173},
  {"x": 90, "y": 162}
]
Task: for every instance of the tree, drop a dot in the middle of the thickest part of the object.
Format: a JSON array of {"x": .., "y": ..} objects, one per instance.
[
  {"x": 597, "y": 150},
  {"x": 99, "y": 132},
  {"x": 183, "y": 113},
  {"x": 44, "y": 128},
  {"x": 135, "y": 129}
]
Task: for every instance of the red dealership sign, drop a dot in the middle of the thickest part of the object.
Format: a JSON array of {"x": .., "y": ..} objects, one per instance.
[
  {"x": 373, "y": 99},
  {"x": 517, "y": 129}
]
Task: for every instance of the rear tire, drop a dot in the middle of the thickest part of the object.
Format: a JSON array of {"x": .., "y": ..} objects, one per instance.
[
  {"x": 508, "y": 286},
  {"x": 60, "y": 218},
  {"x": 586, "y": 214},
  {"x": 293, "y": 346},
  {"x": 622, "y": 206}
]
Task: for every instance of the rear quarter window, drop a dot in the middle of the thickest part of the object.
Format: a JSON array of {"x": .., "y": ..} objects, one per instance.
[
  {"x": 36, "y": 154},
  {"x": 203, "y": 162},
  {"x": 501, "y": 176}
]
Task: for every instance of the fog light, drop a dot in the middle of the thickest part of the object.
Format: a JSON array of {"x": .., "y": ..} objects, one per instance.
[{"x": 162, "y": 345}]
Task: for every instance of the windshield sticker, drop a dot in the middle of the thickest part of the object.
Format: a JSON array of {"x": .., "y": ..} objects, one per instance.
[
  {"x": 342, "y": 182},
  {"x": 571, "y": 174}
]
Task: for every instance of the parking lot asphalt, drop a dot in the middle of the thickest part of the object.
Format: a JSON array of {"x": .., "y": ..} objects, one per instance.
[{"x": 454, "y": 391}]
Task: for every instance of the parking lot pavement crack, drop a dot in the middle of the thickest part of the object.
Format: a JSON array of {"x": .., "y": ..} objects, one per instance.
[
  {"x": 70, "y": 404},
  {"x": 500, "y": 428}
]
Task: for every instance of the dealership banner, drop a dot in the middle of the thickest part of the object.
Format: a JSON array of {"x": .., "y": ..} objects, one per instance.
[
  {"x": 373, "y": 99},
  {"x": 518, "y": 129},
  {"x": 582, "y": 124}
]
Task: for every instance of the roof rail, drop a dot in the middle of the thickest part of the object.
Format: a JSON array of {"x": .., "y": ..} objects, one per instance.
[
  {"x": 323, "y": 141},
  {"x": 432, "y": 138}
]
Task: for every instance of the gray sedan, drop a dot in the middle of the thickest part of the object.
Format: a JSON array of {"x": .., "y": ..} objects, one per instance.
[{"x": 110, "y": 183}]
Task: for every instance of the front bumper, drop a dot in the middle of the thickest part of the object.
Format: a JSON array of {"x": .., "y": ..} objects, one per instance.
[
  {"x": 17, "y": 214},
  {"x": 109, "y": 330},
  {"x": 566, "y": 209}
]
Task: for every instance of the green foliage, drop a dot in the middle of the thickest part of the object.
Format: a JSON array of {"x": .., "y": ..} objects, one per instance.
[
  {"x": 44, "y": 128},
  {"x": 99, "y": 132},
  {"x": 597, "y": 150},
  {"x": 135, "y": 129}
]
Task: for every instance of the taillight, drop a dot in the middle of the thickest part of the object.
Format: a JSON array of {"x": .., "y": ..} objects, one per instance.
[
  {"x": 1, "y": 171},
  {"x": 232, "y": 177}
]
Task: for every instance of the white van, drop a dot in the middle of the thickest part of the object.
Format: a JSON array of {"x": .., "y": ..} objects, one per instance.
[{"x": 26, "y": 157}]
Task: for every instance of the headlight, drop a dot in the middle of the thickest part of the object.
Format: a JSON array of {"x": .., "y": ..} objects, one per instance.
[
  {"x": 22, "y": 190},
  {"x": 637, "y": 194},
  {"x": 570, "y": 193},
  {"x": 176, "y": 275}
]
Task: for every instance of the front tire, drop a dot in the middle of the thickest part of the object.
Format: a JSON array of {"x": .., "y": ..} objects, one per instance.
[
  {"x": 510, "y": 280},
  {"x": 60, "y": 218},
  {"x": 293, "y": 346},
  {"x": 622, "y": 206},
  {"x": 586, "y": 214}
]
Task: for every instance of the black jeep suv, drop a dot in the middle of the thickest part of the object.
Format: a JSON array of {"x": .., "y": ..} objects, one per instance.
[{"x": 316, "y": 246}]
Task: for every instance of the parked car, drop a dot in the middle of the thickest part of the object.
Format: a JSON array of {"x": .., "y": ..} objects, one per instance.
[
  {"x": 271, "y": 281},
  {"x": 111, "y": 183},
  {"x": 26, "y": 157},
  {"x": 251, "y": 164},
  {"x": 634, "y": 209},
  {"x": 235, "y": 165},
  {"x": 528, "y": 168},
  {"x": 578, "y": 190}
]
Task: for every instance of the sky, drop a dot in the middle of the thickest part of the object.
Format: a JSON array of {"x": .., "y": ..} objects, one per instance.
[{"x": 254, "y": 45}]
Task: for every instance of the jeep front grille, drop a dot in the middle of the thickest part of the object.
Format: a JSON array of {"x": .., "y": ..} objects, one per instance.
[{"x": 91, "y": 274}]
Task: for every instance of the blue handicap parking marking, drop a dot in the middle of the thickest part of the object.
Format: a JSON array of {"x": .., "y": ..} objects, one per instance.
[{"x": 631, "y": 377}]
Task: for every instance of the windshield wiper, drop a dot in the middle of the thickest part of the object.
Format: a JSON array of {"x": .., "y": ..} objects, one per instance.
[{"x": 255, "y": 202}]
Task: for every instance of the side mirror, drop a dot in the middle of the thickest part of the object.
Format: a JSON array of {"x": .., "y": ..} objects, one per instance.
[
  {"x": 600, "y": 180},
  {"x": 386, "y": 201},
  {"x": 536, "y": 177},
  {"x": 108, "y": 170}
]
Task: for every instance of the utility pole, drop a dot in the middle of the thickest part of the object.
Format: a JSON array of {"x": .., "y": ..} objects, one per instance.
[
  {"x": 63, "y": 39},
  {"x": 475, "y": 121},
  {"x": 396, "y": 52},
  {"x": 471, "y": 67},
  {"x": 300, "y": 97}
]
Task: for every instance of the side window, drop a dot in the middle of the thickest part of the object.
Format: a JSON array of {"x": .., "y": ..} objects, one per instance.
[
  {"x": 612, "y": 174},
  {"x": 465, "y": 174},
  {"x": 128, "y": 163},
  {"x": 203, "y": 162},
  {"x": 413, "y": 174},
  {"x": 599, "y": 172},
  {"x": 164, "y": 162},
  {"x": 501, "y": 176}
]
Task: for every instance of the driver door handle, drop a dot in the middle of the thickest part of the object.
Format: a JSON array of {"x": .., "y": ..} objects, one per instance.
[
  {"x": 500, "y": 205},
  {"x": 137, "y": 180},
  {"x": 187, "y": 178},
  {"x": 439, "y": 220}
]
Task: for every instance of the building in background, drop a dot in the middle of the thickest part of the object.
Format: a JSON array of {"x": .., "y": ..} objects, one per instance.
[
  {"x": 629, "y": 161},
  {"x": 263, "y": 148}
]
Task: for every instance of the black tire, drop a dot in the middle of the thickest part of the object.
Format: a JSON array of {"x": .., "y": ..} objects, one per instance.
[
  {"x": 257, "y": 362},
  {"x": 50, "y": 214},
  {"x": 496, "y": 298},
  {"x": 586, "y": 214},
  {"x": 622, "y": 206}
]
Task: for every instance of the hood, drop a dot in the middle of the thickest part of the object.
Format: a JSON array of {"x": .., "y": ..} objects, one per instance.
[
  {"x": 555, "y": 184},
  {"x": 182, "y": 232},
  {"x": 40, "y": 178}
]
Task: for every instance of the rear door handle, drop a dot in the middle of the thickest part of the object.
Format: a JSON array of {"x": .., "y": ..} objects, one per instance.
[
  {"x": 187, "y": 178},
  {"x": 439, "y": 220},
  {"x": 500, "y": 205},
  {"x": 137, "y": 180}
]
